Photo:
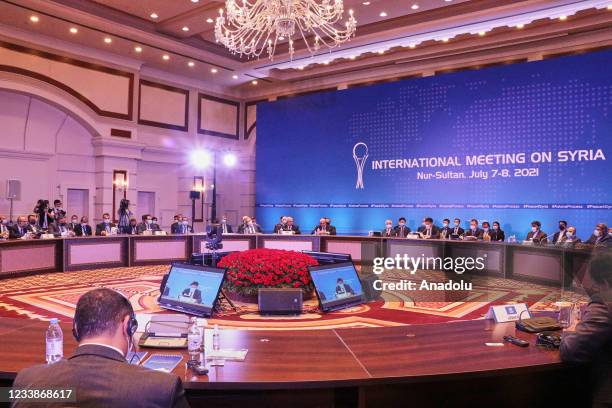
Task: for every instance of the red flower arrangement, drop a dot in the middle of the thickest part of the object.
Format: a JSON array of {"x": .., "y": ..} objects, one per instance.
[{"x": 247, "y": 271}]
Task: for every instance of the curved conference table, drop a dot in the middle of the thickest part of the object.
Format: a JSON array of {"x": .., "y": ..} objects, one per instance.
[{"x": 443, "y": 365}]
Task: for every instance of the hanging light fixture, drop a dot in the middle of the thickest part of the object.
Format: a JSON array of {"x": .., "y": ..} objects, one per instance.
[{"x": 250, "y": 28}]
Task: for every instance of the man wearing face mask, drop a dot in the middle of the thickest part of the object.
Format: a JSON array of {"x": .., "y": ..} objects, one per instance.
[
  {"x": 60, "y": 228},
  {"x": 104, "y": 324},
  {"x": 428, "y": 229},
  {"x": 106, "y": 226},
  {"x": 4, "y": 228},
  {"x": 446, "y": 230},
  {"x": 497, "y": 234},
  {"x": 182, "y": 226},
  {"x": 147, "y": 224},
  {"x": 457, "y": 232},
  {"x": 155, "y": 224},
  {"x": 570, "y": 236},
  {"x": 34, "y": 225},
  {"x": 74, "y": 222},
  {"x": 132, "y": 227},
  {"x": 83, "y": 229},
  {"x": 591, "y": 340},
  {"x": 560, "y": 236},
  {"x": 600, "y": 236},
  {"x": 388, "y": 231},
  {"x": 536, "y": 235},
  {"x": 474, "y": 232},
  {"x": 401, "y": 229},
  {"x": 278, "y": 227}
]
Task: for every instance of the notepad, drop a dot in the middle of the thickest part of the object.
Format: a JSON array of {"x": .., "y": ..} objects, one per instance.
[
  {"x": 163, "y": 362},
  {"x": 136, "y": 357},
  {"x": 227, "y": 354}
]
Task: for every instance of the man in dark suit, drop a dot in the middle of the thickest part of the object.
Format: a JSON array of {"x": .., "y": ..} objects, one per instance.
[
  {"x": 181, "y": 227},
  {"x": 559, "y": 236},
  {"x": 343, "y": 289},
  {"x": 98, "y": 371},
  {"x": 600, "y": 236},
  {"x": 193, "y": 292},
  {"x": 428, "y": 229},
  {"x": 497, "y": 234},
  {"x": 473, "y": 232},
  {"x": 323, "y": 228},
  {"x": 60, "y": 228},
  {"x": 536, "y": 235},
  {"x": 74, "y": 223},
  {"x": 155, "y": 224},
  {"x": 292, "y": 227},
  {"x": 147, "y": 224},
  {"x": 83, "y": 229},
  {"x": 570, "y": 236},
  {"x": 4, "y": 228},
  {"x": 591, "y": 341},
  {"x": 446, "y": 230},
  {"x": 225, "y": 227},
  {"x": 457, "y": 230},
  {"x": 248, "y": 226},
  {"x": 131, "y": 228},
  {"x": 33, "y": 225},
  {"x": 330, "y": 227},
  {"x": 401, "y": 229},
  {"x": 20, "y": 228},
  {"x": 388, "y": 232},
  {"x": 280, "y": 226},
  {"x": 106, "y": 226}
]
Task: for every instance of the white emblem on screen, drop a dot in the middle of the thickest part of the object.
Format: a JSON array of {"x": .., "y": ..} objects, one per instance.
[{"x": 360, "y": 162}]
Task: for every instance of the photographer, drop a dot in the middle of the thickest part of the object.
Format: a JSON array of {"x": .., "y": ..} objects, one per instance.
[{"x": 44, "y": 213}]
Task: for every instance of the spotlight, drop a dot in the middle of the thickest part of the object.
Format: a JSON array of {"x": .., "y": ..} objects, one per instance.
[
  {"x": 200, "y": 158},
  {"x": 229, "y": 159},
  {"x": 73, "y": 30},
  {"x": 138, "y": 48},
  {"x": 34, "y": 19}
]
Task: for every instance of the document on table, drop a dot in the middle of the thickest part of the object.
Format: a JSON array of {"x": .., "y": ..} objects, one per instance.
[{"x": 227, "y": 354}]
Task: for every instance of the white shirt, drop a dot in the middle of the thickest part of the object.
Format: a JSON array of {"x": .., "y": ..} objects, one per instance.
[{"x": 103, "y": 345}]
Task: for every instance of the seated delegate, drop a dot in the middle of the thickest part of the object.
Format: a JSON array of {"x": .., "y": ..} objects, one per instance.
[
  {"x": 446, "y": 230},
  {"x": 600, "y": 237},
  {"x": 323, "y": 228},
  {"x": 147, "y": 226},
  {"x": 104, "y": 324},
  {"x": 457, "y": 230},
  {"x": 106, "y": 226},
  {"x": 428, "y": 230},
  {"x": 497, "y": 234},
  {"x": 536, "y": 235},
  {"x": 591, "y": 341},
  {"x": 473, "y": 232},
  {"x": 84, "y": 229},
  {"x": 401, "y": 229},
  {"x": 388, "y": 231},
  {"x": 559, "y": 236}
]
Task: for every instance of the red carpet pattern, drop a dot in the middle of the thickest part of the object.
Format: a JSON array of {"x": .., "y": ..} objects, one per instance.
[{"x": 55, "y": 295}]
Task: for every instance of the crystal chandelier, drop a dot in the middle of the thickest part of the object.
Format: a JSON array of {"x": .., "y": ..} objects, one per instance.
[{"x": 250, "y": 27}]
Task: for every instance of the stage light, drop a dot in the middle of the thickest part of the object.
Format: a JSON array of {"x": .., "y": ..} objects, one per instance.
[
  {"x": 73, "y": 30},
  {"x": 229, "y": 159},
  {"x": 166, "y": 57},
  {"x": 138, "y": 49},
  {"x": 108, "y": 40},
  {"x": 383, "y": 14},
  {"x": 210, "y": 20},
  {"x": 235, "y": 76},
  {"x": 154, "y": 15},
  {"x": 191, "y": 63},
  {"x": 34, "y": 19},
  {"x": 200, "y": 158}
]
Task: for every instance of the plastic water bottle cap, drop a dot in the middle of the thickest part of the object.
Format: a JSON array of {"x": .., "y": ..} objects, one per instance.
[{"x": 54, "y": 320}]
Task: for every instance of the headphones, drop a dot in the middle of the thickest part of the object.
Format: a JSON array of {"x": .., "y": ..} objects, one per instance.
[
  {"x": 548, "y": 339},
  {"x": 132, "y": 324}
]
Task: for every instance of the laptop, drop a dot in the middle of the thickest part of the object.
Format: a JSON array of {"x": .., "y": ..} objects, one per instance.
[
  {"x": 192, "y": 289},
  {"x": 328, "y": 257},
  {"x": 337, "y": 286}
]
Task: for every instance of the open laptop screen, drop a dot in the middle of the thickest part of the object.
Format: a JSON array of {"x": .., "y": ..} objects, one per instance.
[
  {"x": 337, "y": 285},
  {"x": 328, "y": 257},
  {"x": 193, "y": 288}
]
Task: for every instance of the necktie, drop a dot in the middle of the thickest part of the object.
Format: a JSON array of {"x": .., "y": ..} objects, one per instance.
[{"x": 456, "y": 230}]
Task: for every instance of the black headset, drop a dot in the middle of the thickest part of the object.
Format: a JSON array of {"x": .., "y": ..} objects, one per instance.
[{"x": 132, "y": 325}]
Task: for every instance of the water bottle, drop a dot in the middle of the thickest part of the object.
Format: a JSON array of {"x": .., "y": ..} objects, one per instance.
[
  {"x": 194, "y": 341},
  {"x": 215, "y": 338},
  {"x": 54, "y": 342}
]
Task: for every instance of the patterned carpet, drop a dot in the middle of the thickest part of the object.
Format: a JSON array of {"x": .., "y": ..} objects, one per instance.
[{"x": 55, "y": 295}]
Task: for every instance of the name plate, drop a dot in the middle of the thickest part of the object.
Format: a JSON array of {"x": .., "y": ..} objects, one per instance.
[{"x": 508, "y": 313}]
